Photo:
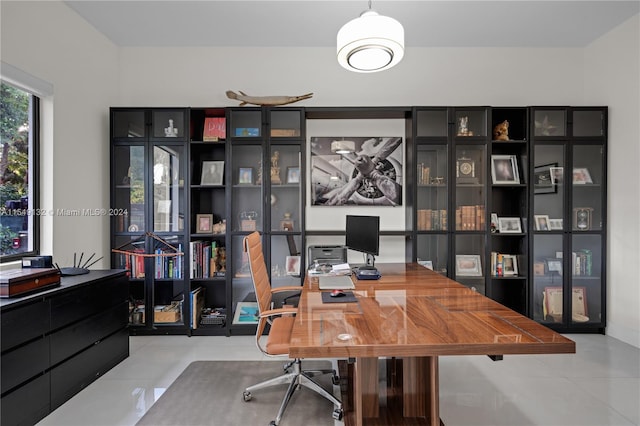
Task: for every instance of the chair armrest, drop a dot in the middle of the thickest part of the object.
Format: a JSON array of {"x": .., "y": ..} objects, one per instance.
[
  {"x": 279, "y": 311},
  {"x": 286, "y": 288}
]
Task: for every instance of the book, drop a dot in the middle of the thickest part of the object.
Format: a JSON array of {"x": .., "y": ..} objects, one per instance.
[{"x": 215, "y": 128}]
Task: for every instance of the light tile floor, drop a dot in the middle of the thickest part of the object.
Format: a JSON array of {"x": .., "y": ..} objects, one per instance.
[{"x": 599, "y": 385}]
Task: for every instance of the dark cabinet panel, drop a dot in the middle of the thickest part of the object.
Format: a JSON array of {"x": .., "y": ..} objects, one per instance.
[
  {"x": 23, "y": 324},
  {"x": 28, "y": 404},
  {"x": 25, "y": 362}
]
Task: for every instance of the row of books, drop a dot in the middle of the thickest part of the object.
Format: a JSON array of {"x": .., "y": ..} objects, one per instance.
[
  {"x": 168, "y": 266},
  {"x": 470, "y": 218},
  {"x": 424, "y": 174},
  {"x": 432, "y": 220},
  {"x": 582, "y": 262},
  {"x": 503, "y": 265},
  {"x": 132, "y": 263},
  {"x": 196, "y": 304},
  {"x": 207, "y": 259}
]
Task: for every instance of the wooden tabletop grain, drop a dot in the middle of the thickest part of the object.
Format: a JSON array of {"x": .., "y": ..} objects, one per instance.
[{"x": 412, "y": 311}]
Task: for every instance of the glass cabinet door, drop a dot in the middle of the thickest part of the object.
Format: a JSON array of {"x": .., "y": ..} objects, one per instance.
[
  {"x": 469, "y": 261},
  {"x": 129, "y": 188},
  {"x": 243, "y": 298},
  {"x": 549, "y": 193},
  {"x": 470, "y": 187},
  {"x": 286, "y": 186},
  {"x": 168, "y": 274},
  {"x": 587, "y": 187},
  {"x": 129, "y": 124},
  {"x": 286, "y": 260},
  {"x": 548, "y": 272},
  {"x": 550, "y": 123},
  {"x": 168, "y": 188},
  {"x": 586, "y": 278},
  {"x": 168, "y": 123},
  {"x": 432, "y": 186},
  {"x": 247, "y": 200},
  {"x": 433, "y": 252}
]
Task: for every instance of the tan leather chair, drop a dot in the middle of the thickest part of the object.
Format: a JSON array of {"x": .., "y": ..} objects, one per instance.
[{"x": 277, "y": 341}]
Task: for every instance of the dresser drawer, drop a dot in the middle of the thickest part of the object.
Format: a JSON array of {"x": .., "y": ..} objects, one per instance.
[
  {"x": 24, "y": 323},
  {"x": 26, "y": 405},
  {"x": 23, "y": 363},
  {"x": 76, "y": 337}
]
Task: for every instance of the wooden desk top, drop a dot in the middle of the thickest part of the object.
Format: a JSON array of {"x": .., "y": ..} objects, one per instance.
[{"x": 413, "y": 311}]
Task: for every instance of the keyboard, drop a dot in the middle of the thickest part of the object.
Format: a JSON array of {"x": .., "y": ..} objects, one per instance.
[{"x": 338, "y": 282}]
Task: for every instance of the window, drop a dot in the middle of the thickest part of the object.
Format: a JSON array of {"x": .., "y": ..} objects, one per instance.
[{"x": 19, "y": 137}]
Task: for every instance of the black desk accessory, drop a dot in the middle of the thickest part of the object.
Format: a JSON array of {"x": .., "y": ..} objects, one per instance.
[
  {"x": 79, "y": 268},
  {"x": 368, "y": 274}
]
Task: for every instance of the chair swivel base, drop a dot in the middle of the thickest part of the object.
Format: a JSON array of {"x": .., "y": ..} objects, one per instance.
[{"x": 295, "y": 379}]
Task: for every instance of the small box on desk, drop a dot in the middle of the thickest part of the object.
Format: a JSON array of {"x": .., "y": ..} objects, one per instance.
[{"x": 18, "y": 282}]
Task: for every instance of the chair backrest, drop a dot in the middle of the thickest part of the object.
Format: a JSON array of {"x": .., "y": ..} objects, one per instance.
[{"x": 261, "y": 284}]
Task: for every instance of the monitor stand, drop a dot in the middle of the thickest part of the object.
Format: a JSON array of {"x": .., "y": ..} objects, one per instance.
[{"x": 369, "y": 266}]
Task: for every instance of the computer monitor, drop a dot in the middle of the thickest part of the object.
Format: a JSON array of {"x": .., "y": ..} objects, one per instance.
[{"x": 363, "y": 235}]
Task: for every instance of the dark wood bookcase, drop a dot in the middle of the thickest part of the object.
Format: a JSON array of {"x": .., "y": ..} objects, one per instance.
[{"x": 475, "y": 204}]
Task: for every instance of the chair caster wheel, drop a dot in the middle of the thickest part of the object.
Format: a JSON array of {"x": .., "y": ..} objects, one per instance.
[
  {"x": 335, "y": 379},
  {"x": 246, "y": 396},
  {"x": 337, "y": 414},
  {"x": 272, "y": 423}
]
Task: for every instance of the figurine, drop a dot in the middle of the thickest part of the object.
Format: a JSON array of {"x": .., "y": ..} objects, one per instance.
[
  {"x": 501, "y": 131},
  {"x": 275, "y": 170},
  {"x": 463, "y": 129},
  {"x": 171, "y": 132}
]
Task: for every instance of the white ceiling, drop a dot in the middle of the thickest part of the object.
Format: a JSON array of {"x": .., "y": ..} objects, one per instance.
[{"x": 292, "y": 23}]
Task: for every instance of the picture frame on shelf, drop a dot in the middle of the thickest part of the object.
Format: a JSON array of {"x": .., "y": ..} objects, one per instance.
[
  {"x": 557, "y": 175},
  {"x": 426, "y": 263},
  {"x": 541, "y": 222},
  {"x": 504, "y": 169},
  {"x": 246, "y": 313},
  {"x": 553, "y": 264},
  {"x": 293, "y": 265},
  {"x": 509, "y": 265},
  {"x": 581, "y": 176},
  {"x": 553, "y": 302},
  {"x": 509, "y": 225},
  {"x": 245, "y": 175},
  {"x": 468, "y": 265},
  {"x": 542, "y": 183},
  {"x": 212, "y": 173},
  {"x": 556, "y": 224},
  {"x": 204, "y": 223},
  {"x": 293, "y": 174}
]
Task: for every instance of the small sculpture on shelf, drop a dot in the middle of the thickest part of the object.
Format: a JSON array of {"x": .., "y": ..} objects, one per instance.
[
  {"x": 501, "y": 131},
  {"x": 275, "y": 169},
  {"x": 220, "y": 227},
  {"x": 171, "y": 132},
  {"x": 463, "y": 126}
]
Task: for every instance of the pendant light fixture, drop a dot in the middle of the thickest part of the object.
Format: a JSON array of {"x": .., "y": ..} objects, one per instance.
[{"x": 370, "y": 43}]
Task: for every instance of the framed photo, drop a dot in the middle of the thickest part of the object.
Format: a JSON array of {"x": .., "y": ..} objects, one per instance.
[
  {"x": 245, "y": 175},
  {"x": 468, "y": 265},
  {"x": 542, "y": 183},
  {"x": 293, "y": 265},
  {"x": 542, "y": 222},
  {"x": 293, "y": 174},
  {"x": 426, "y": 263},
  {"x": 557, "y": 175},
  {"x": 204, "y": 224},
  {"x": 555, "y": 224},
  {"x": 246, "y": 313},
  {"x": 336, "y": 181},
  {"x": 509, "y": 265},
  {"x": 212, "y": 173},
  {"x": 504, "y": 169},
  {"x": 554, "y": 265},
  {"x": 581, "y": 176},
  {"x": 509, "y": 225},
  {"x": 553, "y": 302}
]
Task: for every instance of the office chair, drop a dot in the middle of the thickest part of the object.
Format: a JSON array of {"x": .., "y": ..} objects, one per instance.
[{"x": 277, "y": 341}]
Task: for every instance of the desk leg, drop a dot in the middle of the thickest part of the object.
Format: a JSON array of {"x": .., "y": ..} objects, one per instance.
[
  {"x": 421, "y": 388},
  {"x": 365, "y": 381}
]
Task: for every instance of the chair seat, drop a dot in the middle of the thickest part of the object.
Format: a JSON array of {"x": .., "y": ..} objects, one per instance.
[{"x": 280, "y": 335}]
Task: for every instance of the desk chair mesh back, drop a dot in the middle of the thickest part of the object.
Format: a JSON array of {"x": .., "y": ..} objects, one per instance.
[{"x": 277, "y": 340}]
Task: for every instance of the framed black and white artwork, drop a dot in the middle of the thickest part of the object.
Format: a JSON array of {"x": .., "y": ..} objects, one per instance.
[{"x": 356, "y": 171}]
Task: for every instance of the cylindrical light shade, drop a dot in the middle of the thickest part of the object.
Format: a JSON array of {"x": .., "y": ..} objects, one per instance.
[{"x": 370, "y": 43}]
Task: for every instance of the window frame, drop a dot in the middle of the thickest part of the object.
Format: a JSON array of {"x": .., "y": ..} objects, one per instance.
[{"x": 33, "y": 190}]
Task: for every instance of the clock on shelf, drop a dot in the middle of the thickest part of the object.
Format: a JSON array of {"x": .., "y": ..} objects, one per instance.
[{"x": 466, "y": 170}]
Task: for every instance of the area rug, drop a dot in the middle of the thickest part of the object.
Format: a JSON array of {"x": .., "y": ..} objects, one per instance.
[{"x": 210, "y": 393}]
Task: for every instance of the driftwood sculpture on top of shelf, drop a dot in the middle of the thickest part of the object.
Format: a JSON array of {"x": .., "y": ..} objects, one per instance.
[{"x": 266, "y": 100}]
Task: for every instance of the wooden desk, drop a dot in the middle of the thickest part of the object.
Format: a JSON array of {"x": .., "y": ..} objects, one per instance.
[{"x": 410, "y": 317}]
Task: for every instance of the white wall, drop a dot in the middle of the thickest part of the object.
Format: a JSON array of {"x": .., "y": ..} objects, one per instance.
[
  {"x": 90, "y": 75},
  {"x": 612, "y": 70},
  {"x": 48, "y": 40}
]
